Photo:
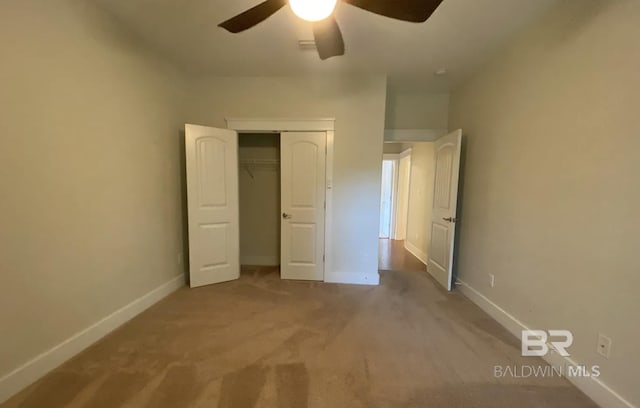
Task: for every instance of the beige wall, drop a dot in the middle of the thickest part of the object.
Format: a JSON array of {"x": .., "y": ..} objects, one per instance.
[
  {"x": 551, "y": 191},
  {"x": 259, "y": 200},
  {"x": 416, "y": 110},
  {"x": 358, "y": 105},
  {"x": 392, "y": 148},
  {"x": 402, "y": 199},
  {"x": 90, "y": 214},
  {"x": 420, "y": 199}
]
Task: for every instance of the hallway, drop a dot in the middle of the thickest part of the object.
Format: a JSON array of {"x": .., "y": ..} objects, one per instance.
[{"x": 392, "y": 256}]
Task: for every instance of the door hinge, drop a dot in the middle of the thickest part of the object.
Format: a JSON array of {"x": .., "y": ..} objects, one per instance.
[
  {"x": 325, "y": 205},
  {"x": 323, "y": 258}
]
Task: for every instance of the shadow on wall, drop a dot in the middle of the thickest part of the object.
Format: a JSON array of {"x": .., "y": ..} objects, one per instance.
[
  {"x": 183, "y": 201},
  {"x": 581, "y": 14},
  {"x": 390, "y": 110},
  {"x": 105, "y": 26}
]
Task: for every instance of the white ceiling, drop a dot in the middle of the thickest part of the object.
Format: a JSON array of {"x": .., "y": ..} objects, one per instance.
[{"x": 459, "y": 36}]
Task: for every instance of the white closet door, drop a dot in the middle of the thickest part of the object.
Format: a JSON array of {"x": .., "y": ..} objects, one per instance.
[
  {"x": 445, "y": 203},
  {"x": 212, "y": 191},
  {"x": 303, "y": 180}
]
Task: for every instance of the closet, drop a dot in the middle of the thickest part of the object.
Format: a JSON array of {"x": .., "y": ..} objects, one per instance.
[
  {"x": 255, "y": 200},
  {"x": 259, "y": 193}
]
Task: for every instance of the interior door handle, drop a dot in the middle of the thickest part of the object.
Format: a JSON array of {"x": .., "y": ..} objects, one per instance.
[
  {"x": 449, "y": 219},
  {"x": 286, "y": 216}
]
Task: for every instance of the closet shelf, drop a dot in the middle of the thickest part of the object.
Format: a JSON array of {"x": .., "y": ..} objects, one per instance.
[{"x": 251, "y": 165}]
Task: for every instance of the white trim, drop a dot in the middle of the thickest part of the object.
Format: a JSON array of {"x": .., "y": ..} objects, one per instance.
[
  {"x": 406, "y": 152},
  {"x": 394, "y": 200},
  {"x": 328, "y": 212},
  {"x": 593, "y": 387},
  {"x": 394, "y": 157},
  {"x": 415, "y": 251},
  {"x": 280, "y": 124},
  {"x": 260, "y": 260},
  {"x": 413, "y": 135},
  {"x": 37, "y": 367},
  {"x": 352, "y": 278},
  {"x": 302, "y": 125}
]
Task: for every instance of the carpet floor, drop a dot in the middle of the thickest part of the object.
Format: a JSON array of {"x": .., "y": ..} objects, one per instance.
[{"x": 264, "y": 342}]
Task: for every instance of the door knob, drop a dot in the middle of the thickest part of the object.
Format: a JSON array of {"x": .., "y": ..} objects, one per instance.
[
  {"x": 449, "y": 219},
  {"x": 286, "y": 216}
]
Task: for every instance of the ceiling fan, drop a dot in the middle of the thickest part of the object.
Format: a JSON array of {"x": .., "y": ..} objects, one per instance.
[{"x": 326, "y": 32}]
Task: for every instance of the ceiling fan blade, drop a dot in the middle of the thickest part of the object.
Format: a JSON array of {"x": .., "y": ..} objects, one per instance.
[
  {"x": 328, "y": 38},
  {"x": 253, "y": 16},
  {"x": 415, "y": 11}
]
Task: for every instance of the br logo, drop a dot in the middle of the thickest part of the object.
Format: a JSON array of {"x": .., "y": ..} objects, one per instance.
[{"x": 537, "y": 343}]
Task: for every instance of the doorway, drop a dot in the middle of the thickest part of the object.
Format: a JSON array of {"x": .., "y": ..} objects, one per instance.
[
  {"x": 395, "y": 210},
  {"x": 394, "y": 197},
  {"x": 259, "y": 202},
  {"x": 282, "y": 203},
  {"x": 425, "y": 207}
]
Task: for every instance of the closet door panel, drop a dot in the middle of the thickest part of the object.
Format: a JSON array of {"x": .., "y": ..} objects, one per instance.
[
  {"x": 212, "y": 195},
  {"x": 303, "y": 180}
]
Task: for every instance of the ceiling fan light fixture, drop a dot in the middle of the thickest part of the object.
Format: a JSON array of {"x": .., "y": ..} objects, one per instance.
[{"x": 313, "y": 10}]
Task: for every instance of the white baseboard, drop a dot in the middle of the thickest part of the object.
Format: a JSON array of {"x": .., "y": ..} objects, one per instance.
[
  {"x": 593, "y": 387},
  {"x": 415, "y": 251},
  {"x": 352, "y": 278},
  {"x": 37, "y": 367},
  {"x": 260, "y": 260}
]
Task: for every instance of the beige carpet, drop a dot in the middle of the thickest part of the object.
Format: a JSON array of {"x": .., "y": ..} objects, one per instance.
[{"x": 263, "y": 342}]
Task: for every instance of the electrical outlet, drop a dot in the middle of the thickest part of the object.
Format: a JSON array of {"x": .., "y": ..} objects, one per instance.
[
  {"x": 179, "y": 258},
  {"x": 604, "y": 345},
  {"x": 492, "y": 280}
]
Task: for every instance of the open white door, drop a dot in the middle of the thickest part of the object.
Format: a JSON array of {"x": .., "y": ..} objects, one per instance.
[
  {"x": 302, "y": 169},
  {"x": 212, "y": 193},
  {"x": 443, "y": 215}
]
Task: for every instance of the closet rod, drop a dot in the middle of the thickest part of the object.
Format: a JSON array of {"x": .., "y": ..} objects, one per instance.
[{"x": 259, "y": 164}]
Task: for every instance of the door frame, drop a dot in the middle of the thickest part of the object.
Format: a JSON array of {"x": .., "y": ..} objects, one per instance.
[
  {"x": 394, "y": 157},
  {"x": 278, "y": 125}
]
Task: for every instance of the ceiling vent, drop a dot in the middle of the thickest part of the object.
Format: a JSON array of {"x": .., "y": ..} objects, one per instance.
[{"x": 307, "y": 45}]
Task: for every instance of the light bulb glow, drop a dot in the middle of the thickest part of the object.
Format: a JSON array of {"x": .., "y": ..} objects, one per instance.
[{"x": 313, "y": 10}]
